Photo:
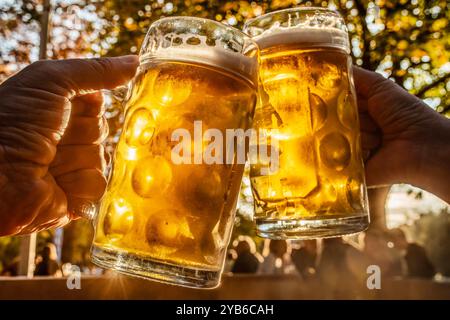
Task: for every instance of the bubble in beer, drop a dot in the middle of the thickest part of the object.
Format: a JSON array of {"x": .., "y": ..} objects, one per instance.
[
  {"x": 118, "y": 219},
  {"x": 140, "y": 128},
  {"x": 193, "y": 41},
  {"x": 167, "y": 227},
  {"x": 318, "y": 111},
  {"x": 172, "y": 89},
  {"x": 346, "y": 110},
  {"x": 335, "y": 151},
  {"x": 151, "y": 176}
]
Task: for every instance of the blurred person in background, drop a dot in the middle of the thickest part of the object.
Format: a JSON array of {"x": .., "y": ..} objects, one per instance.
[
  {"x": 277, "y": 258},
  {"x": 416, "y": 261},
  {"x": 333, "y": 259},
  {"x": 418, "y": 264},
  {"x": 248, "y": 259},
  {"x": 11, "y": 269},
  {"x": 305, "y": 258},
  {"x": 378, "y": 252},
  {"x": 335, "y": 270},
  {"x": 48, "y": 266},
  {"x": 390, "y": 251}
]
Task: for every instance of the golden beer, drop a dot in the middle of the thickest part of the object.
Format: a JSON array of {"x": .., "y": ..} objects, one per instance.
[
  {"x": 172, "y": 221},
  {"x": 308, "y": 112}
]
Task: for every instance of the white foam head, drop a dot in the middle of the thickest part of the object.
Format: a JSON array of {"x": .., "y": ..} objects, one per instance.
[
  {"x": 304, "y": 26},
  {"x": 303, "y": 37},
  {"x": 202, "y": 41}
]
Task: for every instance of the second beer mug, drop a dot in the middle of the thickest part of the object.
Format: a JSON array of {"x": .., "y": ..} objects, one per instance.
[
  {"x": 168, "y": 215},
  {"x": 308, "y": 113}
]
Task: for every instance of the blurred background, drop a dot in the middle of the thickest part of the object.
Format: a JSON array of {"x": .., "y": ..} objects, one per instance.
[{"x": 407, "y": 41}]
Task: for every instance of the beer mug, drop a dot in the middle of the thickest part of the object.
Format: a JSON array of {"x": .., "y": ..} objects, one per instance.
[
  {"x": 309, "y": 116},
  {"x": 168, "y": 212}
]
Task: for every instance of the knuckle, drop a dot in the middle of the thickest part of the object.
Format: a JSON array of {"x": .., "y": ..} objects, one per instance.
[
  {"x": 42, "y": 72},
  {"x": 93, "y": 128},
  {"x": 100, "y": 184},
  {"x": 95, "y": 151},
  {"x": 43, "y": 66},
  {"x": 38, "y": 65},
  {"x": 102, "y": 65}
]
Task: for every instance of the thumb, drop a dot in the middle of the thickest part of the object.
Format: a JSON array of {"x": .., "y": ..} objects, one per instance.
[
  {"x": 367, "y": 82},
  {"x": 78, "y": 76},
  {"x": 385, "y": 101}
]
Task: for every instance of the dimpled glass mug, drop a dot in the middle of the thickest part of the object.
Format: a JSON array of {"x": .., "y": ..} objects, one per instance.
[
  {"x": 309, "y": 114},
  {"x": 168, "y": 221}
]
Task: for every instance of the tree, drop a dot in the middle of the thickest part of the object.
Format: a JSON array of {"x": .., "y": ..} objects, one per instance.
[
  {"x": 74, "y": 28},
  {"x": 406, "y": 40}
]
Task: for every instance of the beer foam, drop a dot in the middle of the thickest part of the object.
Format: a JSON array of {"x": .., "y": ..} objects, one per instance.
[
  {"x": 216, "y": 55},
  {"x": 303, "y": 36}
]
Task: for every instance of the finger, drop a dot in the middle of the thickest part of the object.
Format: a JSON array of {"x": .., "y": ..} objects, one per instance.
[
  {"x": 88, "y": 184},
  {"x": 85, "y": 130},
  {"x": 72, "y": 77},
  {"x": 71, "y": 158},
  {"x": 379, "y": 168},
  {"x": 88, "y": 105},
  {"x": 371, "y": 178},
  {"x": 366, "y": 123},
  {"x": 367, "y": 82},
  {"x": 370, "y": 141},
  {"x": 362, "y": 104},
  {"x": 27, "y": 199},
  {"x": 366, "y": 154},
  {"x": 55, "y": 214},
  {"x": 43, "y": 223}
]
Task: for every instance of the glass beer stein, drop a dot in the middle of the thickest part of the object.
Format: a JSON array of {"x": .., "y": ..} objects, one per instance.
[
  {"x": 309, "y": 115},
  {"x": 168, "y": 216}
]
